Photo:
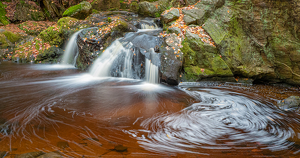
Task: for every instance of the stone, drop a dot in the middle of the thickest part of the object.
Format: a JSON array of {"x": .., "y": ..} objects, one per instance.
[
  {"x": 120, "y": 148},
  {"x": 170, "y": 16},
  {"x": 189, "y": 20},
  {"x": 105, "y": 5},
  {"x": 79, "y": 11},
  {"x": 175, "y": 30},
  {"x": 198, "y": 14},
  {"x": 51, "y": 155},
  {"x": 214, "y": 28},
  {"x": 24, "y": 12},
  {"x": 30, "y": 155},
  {"x": 147, "y": 9},
  {"x": 62, "y": 144},
  {"x": 290, "y": 103}
]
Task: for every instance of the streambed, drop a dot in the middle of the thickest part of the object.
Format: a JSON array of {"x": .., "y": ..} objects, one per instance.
[{"x": 54, "y": 108}]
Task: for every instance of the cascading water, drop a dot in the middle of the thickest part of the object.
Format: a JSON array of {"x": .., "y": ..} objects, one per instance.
[
  {"x": 131, "y": 56},
  {"x": 72, "y": 47}
]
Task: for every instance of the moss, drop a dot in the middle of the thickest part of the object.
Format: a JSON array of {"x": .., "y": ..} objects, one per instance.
[
  {"x": 72, "y": 10},
  {"x": 95, "y": 11},
  {"x": 134, "y": 7},
  {"x": 3, "y": 41},
  {"x": 53, "y": 35},
  {"x": 109, "y": 19},
  {"x": 188, "y": 53},
  {"x": 66, "y": 22},
  {"x": 12, "y": 37},
  {"x": 3, "y": 18}
]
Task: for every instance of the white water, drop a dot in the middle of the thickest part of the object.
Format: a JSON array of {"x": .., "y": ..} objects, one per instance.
[
  {"x": 70, "y": 50},
  {"x": 151, "y": 72},
  {"x": 102, "y": 66}
]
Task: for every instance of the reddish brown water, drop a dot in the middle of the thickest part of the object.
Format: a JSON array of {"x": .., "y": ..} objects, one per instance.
[{"x": 42, "y": 107}]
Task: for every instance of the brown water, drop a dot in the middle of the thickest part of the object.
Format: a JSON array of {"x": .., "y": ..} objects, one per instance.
[{"x": 44, "y": 106}]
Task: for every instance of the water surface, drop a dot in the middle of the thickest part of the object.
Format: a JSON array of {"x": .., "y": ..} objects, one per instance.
[{"x": 44, "y": 105}]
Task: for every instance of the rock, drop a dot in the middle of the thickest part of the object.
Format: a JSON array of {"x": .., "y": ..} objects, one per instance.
[
  {"x": 189, "y": 20},
  {"x": 120, "y": 148},
  {"x": 50, "y": 55},
  {"x": 134, "y": 7},
  {"x": 171, "y": 63},
  {"x": 175, "y": 30},
  {"x": 147, "y": 9},
  {"x": 51, "y": 155},
  {"x": 170, "y": 16},
  {"x": 26, "y": 12},
  {"x": 191, "y": 2},
  {"x": 54, "y": 9},
  {"x": 198, "y": 14},
  {"x": 1, "y": 24},
  {"x": 30, "y": 155},
  {"x": 290, "y": 103},
  {"x": 62, "y": 144},
  {"x": 104, "y": 5},
  {"x": 215, "y": 4},
  {"x": 79, "y": 11}
]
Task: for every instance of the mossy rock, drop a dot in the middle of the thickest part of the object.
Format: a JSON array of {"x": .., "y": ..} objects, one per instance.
[
  {"x": 79, "y": 11},
  {"x": 3, "y": 42},
  {"x": 105, "y": 5},
  {"x": 26, "y": 12},
  {"x": 134, "y": 6},
  {"x": 11, "y": 36},
  {"x": 147, "y": 9},
  {"x": 3, "y": 18},
  {"x": 53, "y": 35}
]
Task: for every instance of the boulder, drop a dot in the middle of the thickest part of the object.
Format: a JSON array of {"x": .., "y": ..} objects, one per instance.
[
  {"x": 189, "y": 20},
  {"x": 104, "y": 5},
  {"x": 54, "y": 10},
  {"x": 79, "y": 11},
  {"x": 26, "y": 12},
  {"x": 175, "y": 30},
  {"x": 170, "y": 16},
  {"x": 290, "y": 103},
  {"x": 171, "y": 60},
  {"x": 147, "y": 9}
]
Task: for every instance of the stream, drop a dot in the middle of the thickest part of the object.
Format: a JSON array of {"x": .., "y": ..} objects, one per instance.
[{"x": 56, "y": 108}]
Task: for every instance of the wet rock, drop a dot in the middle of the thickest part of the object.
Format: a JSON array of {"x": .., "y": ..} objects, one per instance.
[
  {"x": 147, "y": 9},
  {"x": 120, "y": 148},
  {"x": 290, "y": 103},
  {"x": 50, "y": 55},
  {"x": 171, "y": 61},
  {"x": 51, "y": 155},
  {"x": 30, "y": 155},
  {"x": 79, "y": 11},
  {"x": 95, "y": 139},
  {"x": 62, "y": 144},
  {"x": 170, "y": 16},
  {"x": 175, "y": 30}
]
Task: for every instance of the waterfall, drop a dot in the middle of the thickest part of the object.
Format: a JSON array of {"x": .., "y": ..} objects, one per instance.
[
  {"x": 70, "y": 50},
  {"x": 103, "y": 65},
  {"x": 131, "y": 56},
  {"x": 151, "y": 72}
]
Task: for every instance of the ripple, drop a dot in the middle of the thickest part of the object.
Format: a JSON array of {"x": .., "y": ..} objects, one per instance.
[{"x": 221, "y": 120}]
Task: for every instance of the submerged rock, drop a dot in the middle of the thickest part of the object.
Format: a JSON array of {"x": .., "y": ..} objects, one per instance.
[
  {"x": 290, "y": 103},
  {"x": 30, "y": 155},
  {"x": 120, "y": 148},
  {"x": 62, "y": 144},
  {"x": 51, "y": 155}
]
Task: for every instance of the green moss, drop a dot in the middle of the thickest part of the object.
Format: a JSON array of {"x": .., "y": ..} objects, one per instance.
[
  {"x": 72, "y": 10},
  {"x": 188, "y": 53},
  {"x": 11, "y": 36},
  {"x": 53, "y": 35},
  {"x": 134, "y": 7},
  {"x": 3, "y": 41},
  {"x": 95, "y": 11},
  {"x": 109, "y": 19},
  {"x": 3, "y": 18},
  {"x": 66, "y": 22}
]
